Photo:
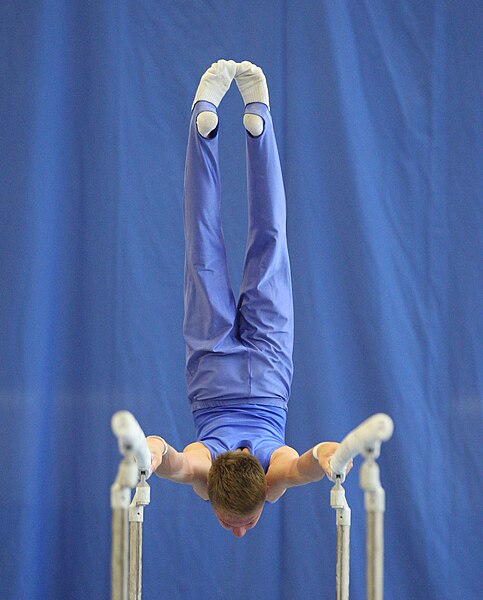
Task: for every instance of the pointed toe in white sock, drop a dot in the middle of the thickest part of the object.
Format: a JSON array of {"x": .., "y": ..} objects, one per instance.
[
  {"x": 215, "y": 82},
  {"x": 252, "y": 83}
]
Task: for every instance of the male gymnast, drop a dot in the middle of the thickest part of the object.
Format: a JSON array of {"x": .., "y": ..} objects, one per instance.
[{"x": 238, "y": 355}]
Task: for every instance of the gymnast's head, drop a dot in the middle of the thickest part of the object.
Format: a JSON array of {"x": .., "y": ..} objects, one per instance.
[{"x": 237, "y": 488}]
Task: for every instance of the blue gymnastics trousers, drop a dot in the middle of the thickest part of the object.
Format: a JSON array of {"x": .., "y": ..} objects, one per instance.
[{"x": 236, "y": 353}]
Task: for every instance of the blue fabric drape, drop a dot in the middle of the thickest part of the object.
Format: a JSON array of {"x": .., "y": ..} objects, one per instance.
[{"x": 377, "y": 109}]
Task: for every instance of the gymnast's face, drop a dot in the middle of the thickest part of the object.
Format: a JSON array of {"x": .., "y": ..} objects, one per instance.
[{"x": 237, "y": 524}]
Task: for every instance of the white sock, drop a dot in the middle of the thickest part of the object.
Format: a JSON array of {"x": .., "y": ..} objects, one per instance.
[
  {"x": 215, "y": 82},
  {"x": 252, "y": 84},
  {"x": 213, "y": 85}
]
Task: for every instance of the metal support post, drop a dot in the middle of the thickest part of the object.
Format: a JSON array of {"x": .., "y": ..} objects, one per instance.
[
  {"x": 126, "y": 479},
  {"x": 374, "y": 502},
  {"x": 343, "y": 524},
  {"x": 136, "y": 517}
]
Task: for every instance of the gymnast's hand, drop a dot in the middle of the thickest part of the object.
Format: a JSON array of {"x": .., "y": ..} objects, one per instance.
[
  {"x": 158, "y": 448},
  {"x": 325, "y": 451}
]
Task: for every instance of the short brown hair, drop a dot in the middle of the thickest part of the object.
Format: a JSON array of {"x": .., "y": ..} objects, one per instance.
[{"x": 237, "y": 483}]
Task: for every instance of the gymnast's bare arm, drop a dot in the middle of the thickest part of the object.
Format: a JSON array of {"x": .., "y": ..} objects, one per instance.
[
  {"x": 190, "y": 466},
  {"x": 288, "y": 469}
]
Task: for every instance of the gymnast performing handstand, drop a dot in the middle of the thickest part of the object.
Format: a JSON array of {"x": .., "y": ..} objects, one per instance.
[{"x": 238, "y": 355}]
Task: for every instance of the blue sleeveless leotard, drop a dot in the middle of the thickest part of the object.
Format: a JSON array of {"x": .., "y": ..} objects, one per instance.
[{"x": 259, "y": 428}]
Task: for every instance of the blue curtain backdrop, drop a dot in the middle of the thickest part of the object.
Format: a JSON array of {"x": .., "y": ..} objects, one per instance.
[{"x": 377, "y": 109}]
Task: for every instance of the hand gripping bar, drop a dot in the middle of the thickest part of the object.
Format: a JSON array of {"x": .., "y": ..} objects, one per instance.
[
  {"x": 369, "y": 434},
  {"x": 131, "y": 438}
]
